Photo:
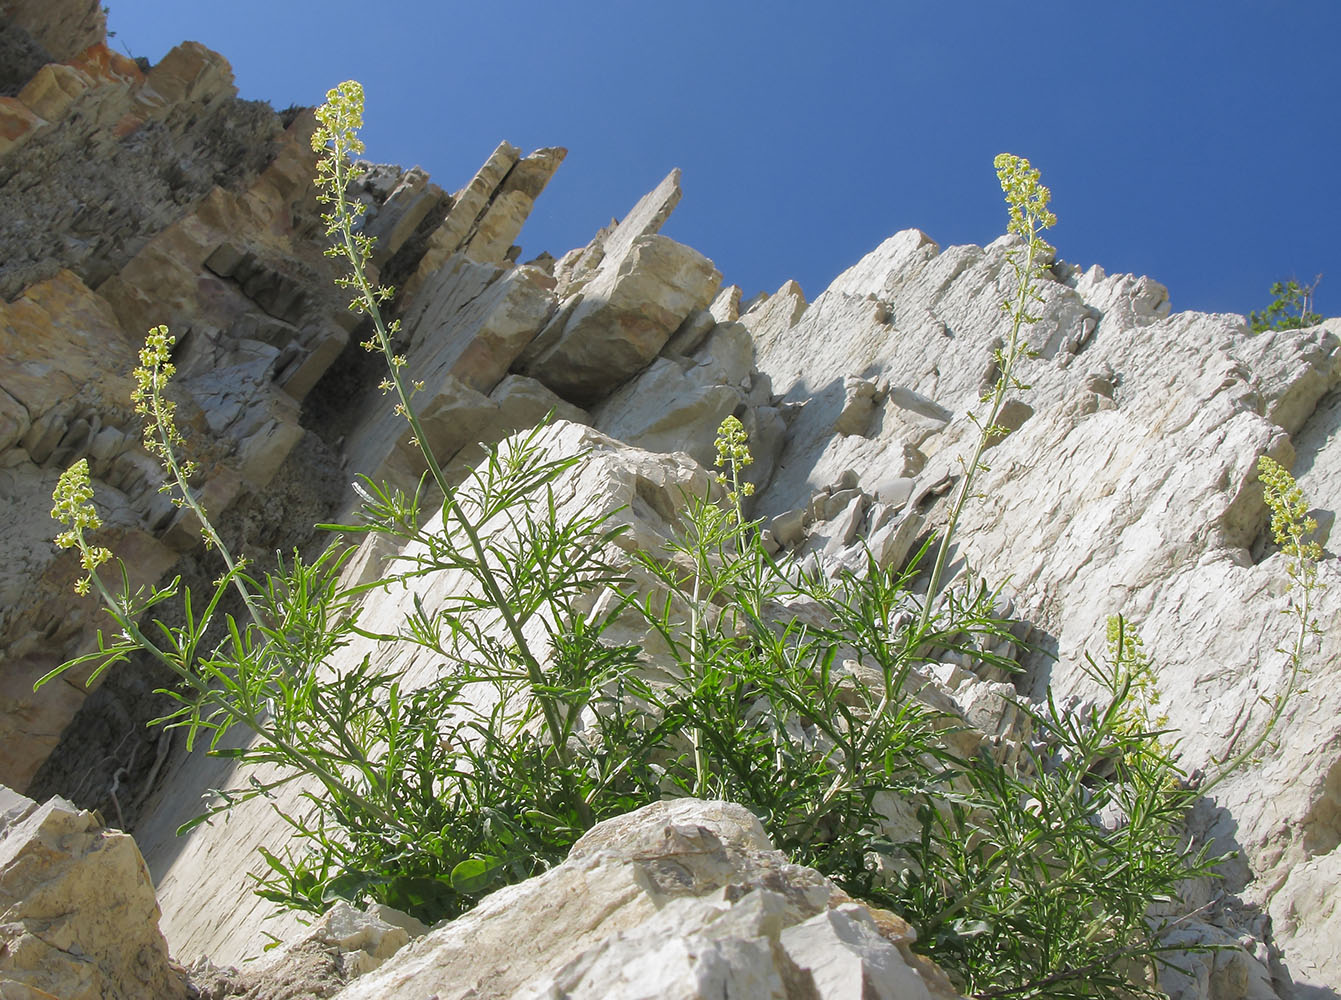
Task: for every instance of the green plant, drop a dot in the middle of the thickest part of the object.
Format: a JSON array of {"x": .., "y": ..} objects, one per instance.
[
  {"x": 1291, "y": 307},
  {"x": 1292, "y": 529},
  {"x": 1039, "y": 879},
  {"x": 1088, "y": 824},
  {"x": 426, "y": 798},
  {"x": 789, "y": 692},
  {"x": 805, "y": 719},
  {"x": 1027, "y": 201}
]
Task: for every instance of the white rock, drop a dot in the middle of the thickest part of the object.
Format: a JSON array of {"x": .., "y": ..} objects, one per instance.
[
  {"x": 1130, "y": 487},
  {"x": 625, "y": 316},
  {"x": 681, "y": 899},
  {"x": 846, "y": 956},
  {"x": 78, "y": 918}
]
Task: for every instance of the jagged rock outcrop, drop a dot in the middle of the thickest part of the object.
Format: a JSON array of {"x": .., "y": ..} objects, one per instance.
[
  {"x": 195, "y": 210},
  {"x": 1128, "y": 486},
  {"x": 488, "y": 213}
]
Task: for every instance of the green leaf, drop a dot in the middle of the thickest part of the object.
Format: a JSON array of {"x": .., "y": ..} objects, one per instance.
[{"x": 474, "y": 874}]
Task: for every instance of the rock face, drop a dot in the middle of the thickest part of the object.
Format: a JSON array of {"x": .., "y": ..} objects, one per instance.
[
  {"x": 1126, "y": 485},
  {"x": 61, "y": 29},
  {"x": 197, "y": 211},
  {"x": 78, "y": 919},
  {"x": 686, "y": 899}
]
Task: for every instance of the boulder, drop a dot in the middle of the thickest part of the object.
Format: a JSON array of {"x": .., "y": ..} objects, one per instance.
[
  {"x": 683, "y": 899},
  {"x": 623, "y": 319},
  {"x": 473, "y": 320},
  {"x": 78, "y": 919},
  {"x": 17, "y": 124},
  {"x": 190, "y": 72},
  {"x": 342, "y": 944},
  {"x": 466, "y": 326}
]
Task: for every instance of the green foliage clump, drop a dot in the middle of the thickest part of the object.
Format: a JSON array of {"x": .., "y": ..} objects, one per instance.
[
  {"x": 1039, "y": 878},
  {"x": 790, "y": 692},
  {"x": 1291, "y": 308}
]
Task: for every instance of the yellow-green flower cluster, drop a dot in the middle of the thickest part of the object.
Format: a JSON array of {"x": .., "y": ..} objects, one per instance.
[
  {"x": 73, "y": 499},
  {"x": 1126, "y": 648},
  {"x": 1290, "y": 524},
  {"x": 1026, "y": 198},
  {"x": 733, "y": 454},
  {"x": 161, "y": 435},
  {"x": 338, "y": 124}
]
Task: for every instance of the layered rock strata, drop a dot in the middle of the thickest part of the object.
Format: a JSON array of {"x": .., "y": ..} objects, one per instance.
[{"x": 195, "y": 210}]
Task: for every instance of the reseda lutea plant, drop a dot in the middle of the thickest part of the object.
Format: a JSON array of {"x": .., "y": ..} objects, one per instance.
[{"x": 536, "y": 725}]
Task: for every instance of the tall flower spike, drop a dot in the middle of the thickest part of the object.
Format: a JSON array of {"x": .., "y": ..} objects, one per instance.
[
  {"x": 1290, "y": 524},
  {"x": 733, "y": 454},
  {"x": 1026, "y": 198},
  {"x": 152, "y": 375},
  {"x": 73, "y": 498},
  {"x": 336, "y": 137}
]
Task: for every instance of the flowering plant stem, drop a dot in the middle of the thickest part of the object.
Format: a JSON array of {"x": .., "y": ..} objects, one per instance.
[
  {"x": 340, "y": 119},
  {"x": 1293, "y": 530},
  {"x": 1029, "y": 216},
  {"x": 1027, "y": 201},
  {"x": 181, "y": 660}
]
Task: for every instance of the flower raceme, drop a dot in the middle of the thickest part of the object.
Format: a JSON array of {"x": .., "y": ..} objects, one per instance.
[
  {"x": 73, "y": 499},
  {"x": 1026, "y": 199},
  {"x": 161, "y": 436},
  {"x": 1291, "y": 525},
  {"x": 733, "y": 455}
]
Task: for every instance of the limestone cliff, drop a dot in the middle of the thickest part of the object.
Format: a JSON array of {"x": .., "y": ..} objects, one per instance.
[{"x": 132, "y": 196}]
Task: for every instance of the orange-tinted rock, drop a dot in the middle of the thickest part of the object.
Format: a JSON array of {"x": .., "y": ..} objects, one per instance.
[
  {"x": 190, "y": 72},
  {"x": 17, "y": 123},
  {"x": 60, "y": 338},
  {"x": 53, "y": 89},
  {"x": 101, "y": 63}
]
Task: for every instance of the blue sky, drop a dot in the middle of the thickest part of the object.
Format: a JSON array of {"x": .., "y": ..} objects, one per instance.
[{"x": 1194, "y": 142}]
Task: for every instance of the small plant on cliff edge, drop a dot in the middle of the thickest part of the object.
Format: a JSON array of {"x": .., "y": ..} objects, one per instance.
[{"x": 1291, "y": 307}]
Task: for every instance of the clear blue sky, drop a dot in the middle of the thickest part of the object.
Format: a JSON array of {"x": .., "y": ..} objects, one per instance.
[{"x": 1194, "y": 142}]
